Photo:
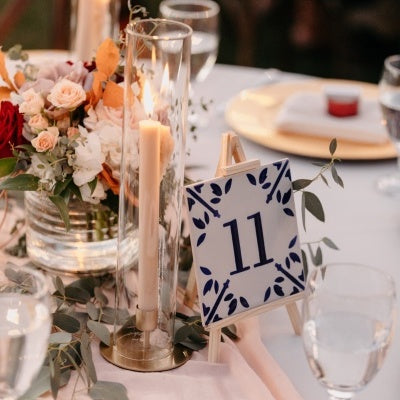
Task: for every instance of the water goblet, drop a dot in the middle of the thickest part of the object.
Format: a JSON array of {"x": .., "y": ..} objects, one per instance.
[
  {"x": 203, "y": 17},
  {"x": 348, "y": 317},
  {"x": 389, "y": 99},
  {"x": 24, "y": 328}
]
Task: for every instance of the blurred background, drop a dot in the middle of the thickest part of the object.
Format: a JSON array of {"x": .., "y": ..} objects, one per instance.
[{"x": 328, "y": 38}]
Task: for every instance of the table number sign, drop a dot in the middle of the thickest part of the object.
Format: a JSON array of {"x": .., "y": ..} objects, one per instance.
[{"x": 245, "y": 240}]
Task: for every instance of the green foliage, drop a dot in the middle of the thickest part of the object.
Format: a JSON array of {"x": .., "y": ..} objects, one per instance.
[
  {"x": 311, "y": 204},
  {"x": 7, "y": 166},
  {"x": 23, "y": 182}
]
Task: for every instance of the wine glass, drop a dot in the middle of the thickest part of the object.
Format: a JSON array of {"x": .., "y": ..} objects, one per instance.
[
  {"x": 203, "y": 17},
  {"x": 348, "y": 318},
  {"x": 389, "y": 99},
  {"x": 24, "y": 328}
]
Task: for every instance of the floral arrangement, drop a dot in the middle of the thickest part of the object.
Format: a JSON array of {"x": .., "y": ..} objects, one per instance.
[{"x": 61, "y": 129}]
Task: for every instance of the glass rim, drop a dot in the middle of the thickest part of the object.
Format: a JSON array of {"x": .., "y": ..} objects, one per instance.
[
  {"x": 177, "y": 35},
  {"x": 388, "y": 63},
  {"x": 41, "y": 282},
  {"x": 389, "y": 278},
  {"x": 211, "y": 12}
]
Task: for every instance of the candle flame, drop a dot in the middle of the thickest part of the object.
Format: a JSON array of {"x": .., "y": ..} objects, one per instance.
[
  {"x": 148, "y": 103},
  {"x": 165, "y": 80}
]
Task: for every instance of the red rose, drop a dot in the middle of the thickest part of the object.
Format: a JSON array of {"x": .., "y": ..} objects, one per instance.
[{"x": 11, "y": 123}]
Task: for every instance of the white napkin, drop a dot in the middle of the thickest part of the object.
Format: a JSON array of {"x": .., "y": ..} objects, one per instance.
[{"x": 306, "y": 113}]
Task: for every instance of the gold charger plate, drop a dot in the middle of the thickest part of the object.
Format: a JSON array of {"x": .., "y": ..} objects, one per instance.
[{"x": 252, "y": 114}]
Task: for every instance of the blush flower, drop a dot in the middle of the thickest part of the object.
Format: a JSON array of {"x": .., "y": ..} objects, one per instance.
[
  {"x": 67, "y": 94},
  {"x": 38, "y": 122},
  {"x": 32, "y": 103},
  {"x": 46, "y": 140}
]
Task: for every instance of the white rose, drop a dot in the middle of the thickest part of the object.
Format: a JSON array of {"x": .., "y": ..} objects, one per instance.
[
  {"x": 46, "y": 140},
  {"x": 38, "y": 122},
  {"x": 67, "y": 94},
  {"x": 111, "y": 142},
  {"x": 32, "y": 103},
  {"x": 88, "y": 159},
  {"x": 102, "y": 114}
]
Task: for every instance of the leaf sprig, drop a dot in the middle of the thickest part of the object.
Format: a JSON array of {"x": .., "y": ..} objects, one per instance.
[{"x": 312, "y": 204}]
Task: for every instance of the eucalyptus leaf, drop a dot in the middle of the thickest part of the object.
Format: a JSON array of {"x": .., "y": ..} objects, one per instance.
[
  {"x": 299, "y": 184},
  {"x": 332, "y": 146},
  {"x": 103, "y": 390},
  {"x": 7, "y": 165},
  {"x": 24, "y": 182},
  {"x": 182, "y": 334},
  {"x": 77, "y": 294},
  {"x": 314, "y": 205},
  {"x": 100, "y": 297},
  {"x": 336, "y": 176},
  {"x": 66, "y": 322},
  {"x": 55, "y": 378},
  {"x": 87, "y": 358},
  {"x": 59, "y": 285},
  {"x": 60, "y": 338},
  {"x": 328, "y": 242},
  {"x": 93, "y": 311},
  {"x": 87, "y": 283},
  {"x": 62, "y": 207},
  {"x": 324, "y": 180},
  {"x": 305, "y": 264},
  {"x": 195, "y": 346},
  {"x": 303, "y": 210},
  {"x": 100, "y": 331},
  {"x": 318, "y": 256}
]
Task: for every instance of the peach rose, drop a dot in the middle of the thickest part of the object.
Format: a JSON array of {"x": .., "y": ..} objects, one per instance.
[
  {"x": 32, "y": 103},
  {"x": 38, "y": 122},
  {"x": 46, "y": 140},
  {"x": 67, "y": 94}
]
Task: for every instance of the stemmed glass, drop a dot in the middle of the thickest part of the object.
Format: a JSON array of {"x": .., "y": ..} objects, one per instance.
[
  {"x": 348, "y": 318},
  {"x": 24, "y": 328},
  {"x": 389, "y": 99},
  {"x": 203, "y": 17}
]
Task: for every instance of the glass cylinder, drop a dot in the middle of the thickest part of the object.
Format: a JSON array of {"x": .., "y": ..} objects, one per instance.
[
  {"x": 89, "y": 247},
  {"x": 157, "y": 75}
]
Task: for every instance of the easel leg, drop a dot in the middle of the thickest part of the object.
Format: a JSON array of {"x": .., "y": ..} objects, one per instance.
[
  {"x": 213, "y": 345},
  {"x": 295, "y": 318}
]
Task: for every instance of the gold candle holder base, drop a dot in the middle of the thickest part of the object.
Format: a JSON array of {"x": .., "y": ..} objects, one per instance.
[{"x": 177, "y": 357}]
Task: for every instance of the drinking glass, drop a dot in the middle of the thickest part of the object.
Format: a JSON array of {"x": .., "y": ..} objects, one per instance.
[
  {"x": 348, "y": 318},
  {"x": 24, "y": 328},
  {"x": 389, "y": 99},
  {"x": 203, "y": 17}
]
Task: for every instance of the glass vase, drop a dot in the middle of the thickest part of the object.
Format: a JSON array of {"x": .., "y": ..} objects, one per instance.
[
  {"x": 89, "y": 247},
  {"x": 157, "y": 74}
]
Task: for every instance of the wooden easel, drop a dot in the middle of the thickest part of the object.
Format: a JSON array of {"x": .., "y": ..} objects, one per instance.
[{"x": 232, "y": 148}]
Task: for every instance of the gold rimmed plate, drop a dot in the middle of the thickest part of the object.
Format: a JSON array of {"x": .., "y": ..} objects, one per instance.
[{"x": 252, "y": 114}]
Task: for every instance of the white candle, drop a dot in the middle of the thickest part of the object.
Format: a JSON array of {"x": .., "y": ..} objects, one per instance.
[
  {"x": 149, "y": 191},
  {"x": 91, "y": 27}
]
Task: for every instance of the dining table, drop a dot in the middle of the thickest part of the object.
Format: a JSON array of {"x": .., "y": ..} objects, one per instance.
[{"x": 361, "y": 221}]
